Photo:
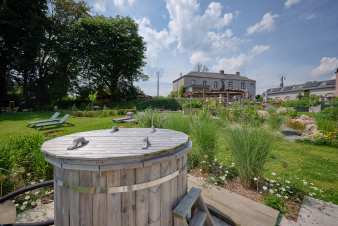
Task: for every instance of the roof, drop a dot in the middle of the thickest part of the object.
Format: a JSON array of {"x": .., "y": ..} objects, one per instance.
[
  {"x": 214, "y": 75},
  {"x": 312, "y": 85}
]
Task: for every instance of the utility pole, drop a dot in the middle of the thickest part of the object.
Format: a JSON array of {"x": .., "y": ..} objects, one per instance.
[{"x": 158, "y": 83}]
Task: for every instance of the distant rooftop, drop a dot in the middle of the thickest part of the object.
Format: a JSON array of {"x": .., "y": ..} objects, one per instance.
[
  {"x": 220, "y": 75},
  {"x": 305, "y": 86}
]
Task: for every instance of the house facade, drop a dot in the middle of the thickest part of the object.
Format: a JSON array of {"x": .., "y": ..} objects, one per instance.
[
  {"x": 325, "y": 89},
  {"x": 228, "y": 87}
]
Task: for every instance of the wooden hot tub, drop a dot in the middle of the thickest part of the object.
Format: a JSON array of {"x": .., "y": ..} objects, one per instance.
[{"x": 118, "y": 177}]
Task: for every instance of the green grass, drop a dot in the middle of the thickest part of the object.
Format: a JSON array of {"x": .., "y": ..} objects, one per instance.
[
  {"x": 289, "y": 160},
  {"x": 15, "y": 125}
]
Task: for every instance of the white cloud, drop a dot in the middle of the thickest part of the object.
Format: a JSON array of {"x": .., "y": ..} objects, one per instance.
[
  {"x": 199, "y": 57},
  {"x": 156, "y": 40},
  {"x": 102, "y": 6},
  {"x": 233, "y": 64},
  {"x": 123, "y": 3},
  {"x": 290, "y": 3},
  {"x": 259, "y": 49},
  {"x": 327, "y": 65},
  {"x": 266, "y": 24},
  {"x": 189, "y": 27}
]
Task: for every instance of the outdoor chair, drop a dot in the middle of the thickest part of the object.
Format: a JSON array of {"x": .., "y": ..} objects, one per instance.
[
  {"x": 53, "y": 118},
  {"x": 58, "y": 122}
]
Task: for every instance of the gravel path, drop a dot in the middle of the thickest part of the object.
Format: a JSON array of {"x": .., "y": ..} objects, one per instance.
[{"x": 41, "y": 212}]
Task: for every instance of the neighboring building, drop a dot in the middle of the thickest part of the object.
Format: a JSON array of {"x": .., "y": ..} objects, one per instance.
[
  {"x": 325, "y": 89},
  {"x": 216, "y": 85}
]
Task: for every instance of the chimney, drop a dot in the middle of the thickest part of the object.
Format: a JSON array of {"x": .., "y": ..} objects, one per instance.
[
  {"x": 221, "y": 71},
  {"x": 337, "y": 83},
  {"x": 238, "y": 73}
]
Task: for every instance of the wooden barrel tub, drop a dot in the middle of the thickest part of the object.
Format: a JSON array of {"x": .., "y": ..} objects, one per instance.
[{"x": 118, "y": 177}]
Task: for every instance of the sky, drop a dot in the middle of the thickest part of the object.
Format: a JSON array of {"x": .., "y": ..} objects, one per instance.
[{"x": 261, "y": 39}]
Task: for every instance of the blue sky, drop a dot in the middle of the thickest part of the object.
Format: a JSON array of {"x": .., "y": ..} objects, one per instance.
[{"x": 262, "y": 39}]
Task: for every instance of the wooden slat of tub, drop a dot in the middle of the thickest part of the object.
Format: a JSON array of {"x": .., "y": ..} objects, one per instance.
[
  {"x": 65, "y": 200},
  {"x": 58, "y": 173},
  {"x": 165, "y": 195},
  {"x": 73, "y": 180},
  {"x": 86, "y": 200},
  {"x": 99, "y": 200},
  {"x": 128, "y": 198},
  {"x": 114, "y": 200},
  {"x": 142, "y": 197},
  {"x": 173, "y": 183},
  {"x": 155, "y": 197}
]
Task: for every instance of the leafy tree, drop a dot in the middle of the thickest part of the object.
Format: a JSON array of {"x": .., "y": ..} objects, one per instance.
[
  {"x": 22, "y": 25},
  {"x": 110, "y": 53}
]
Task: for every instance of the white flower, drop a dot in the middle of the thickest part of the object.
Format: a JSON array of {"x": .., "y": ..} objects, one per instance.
[
  {"x": 33, "y": 203},
  {"x": 16, "y": 205},
  {"x": 287, "y": 181},
  {"x": 273, "y": 174},
  {"x": 27, "y": 197},
  {"x": 22, "y": 207},
  {"x": 286, "y": 197},
  {"x": 36, "y": 193},
  {"x": 28, "y": 174},
  {"x": 271, "y": 191},
  {"x": 278, "y": 195},
  {"x": 283, "y": 189},
  {"x": 25, "y": 203},
  {"x": 304, "y": 182},
  {"x": 255, "y": 179},
  {"x": 33, "y": 182},
  {"x": 265, "y": 188}
]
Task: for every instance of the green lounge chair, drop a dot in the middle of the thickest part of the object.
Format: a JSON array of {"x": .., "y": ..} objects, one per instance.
[
  {"x": 58, "y": 122},
  {"x": 54, "y": 117}
]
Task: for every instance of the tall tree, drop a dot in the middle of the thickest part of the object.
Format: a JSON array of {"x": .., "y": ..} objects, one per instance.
[
  {"x": 111, "y": 53},
  {"x": 21, "y": 32}
]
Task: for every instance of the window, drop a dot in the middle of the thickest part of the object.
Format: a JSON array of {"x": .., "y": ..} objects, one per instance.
[
  {"x": 230, "y": 84},
  {"x": 204, "y": 83},
  {"x": 215, "y": 85},
  {"x": 242, "y": 85},
  {"x": 193, "y": 82}
]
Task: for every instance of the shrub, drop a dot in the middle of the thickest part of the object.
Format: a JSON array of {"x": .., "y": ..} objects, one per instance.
[
  {"x": 275, "y": 202},
  {"x": 150, "y": 118},
  {"x": 158, "y": 103},
  {"x": 203, "y": 132},
  {"x": 250, "y": 149},
  {"x": 177, "y": 121}
]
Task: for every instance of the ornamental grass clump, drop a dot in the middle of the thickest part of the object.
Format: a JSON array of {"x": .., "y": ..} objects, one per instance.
[
  {"x": 250, "y": 148},
  {"x": 203, "y": 133},
  {"x": 275, "y": 121},
  {"x": 150, "y": 118},
  {"x": 178, "y": 122}
]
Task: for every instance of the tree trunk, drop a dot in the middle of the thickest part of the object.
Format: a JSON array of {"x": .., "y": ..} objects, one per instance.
[{"x": 3, "y": 83}]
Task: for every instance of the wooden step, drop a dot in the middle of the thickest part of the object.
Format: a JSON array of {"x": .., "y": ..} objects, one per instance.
[
  {"x": 198, "y": 219},
  {"x": 187, "y": 202}
]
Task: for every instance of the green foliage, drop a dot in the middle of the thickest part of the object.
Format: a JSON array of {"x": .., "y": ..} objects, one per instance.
[
  {"x": 275, "y": 121},
  {"x": 150, "y": 118},
  {"x": 178, "y": 122},
  {"x": 21, "y": 155},
  {"x": 245, "y": 114},
  {"x": 303, "y": 103},
  {"x": 158, "y": 103},
  {"x": 250, "y": 149},
  {"x": 203, "y": 133},
  {"x": 275, "y": 202},
  {"x": 111, "y": 53},
  {"x": 92, "y": 97}
]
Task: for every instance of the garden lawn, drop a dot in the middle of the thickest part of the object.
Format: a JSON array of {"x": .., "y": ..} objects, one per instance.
[{"x": 15, "y": 124}]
